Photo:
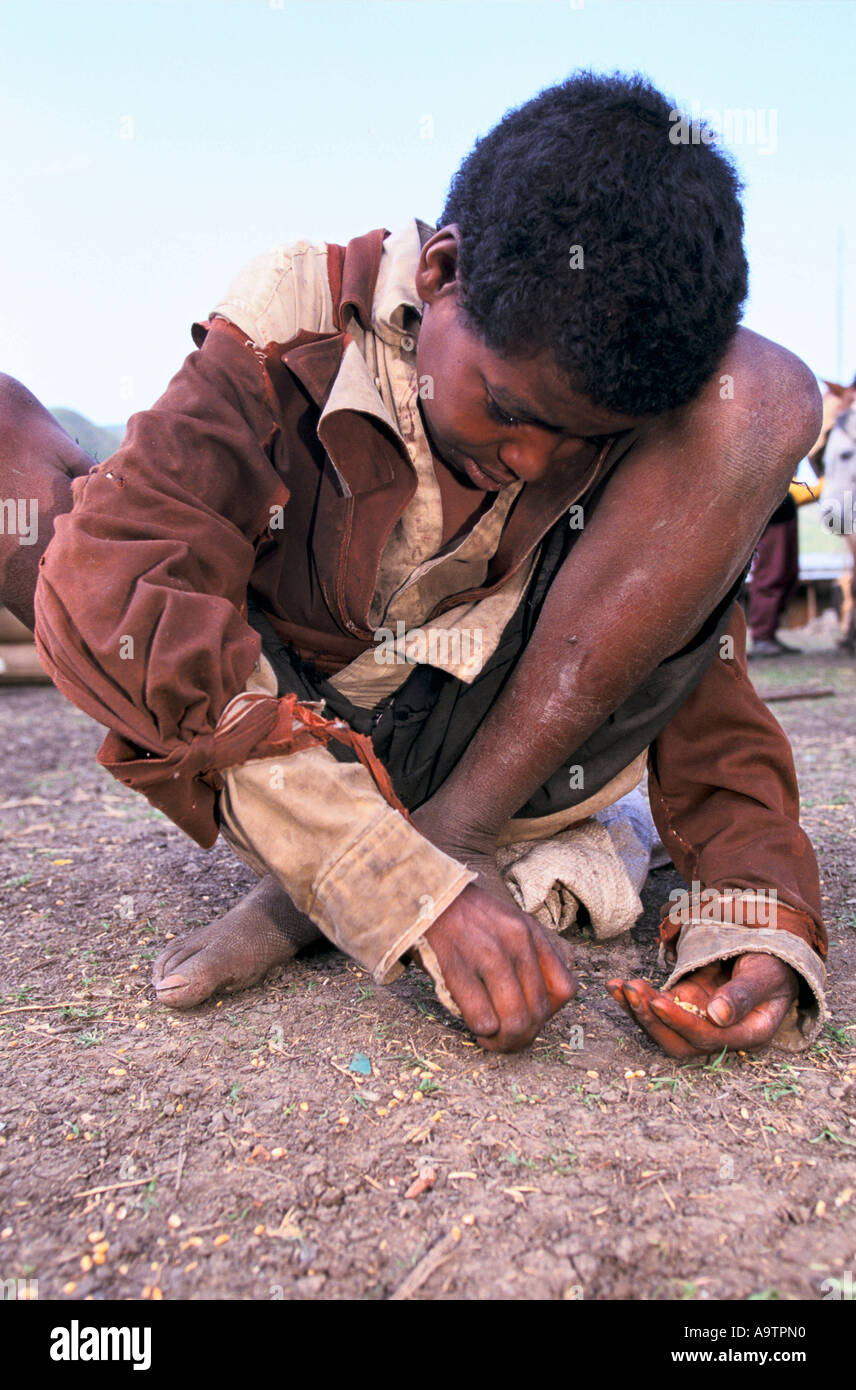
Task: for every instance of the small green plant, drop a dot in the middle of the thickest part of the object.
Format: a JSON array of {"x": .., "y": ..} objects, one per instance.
[
  {"x": 517, "y": 1160},
  {"x": 562, "y": 1161},
  {"x": 827, "y": 1133},
  {"x": 410, "y": 1060},
  {"x": 428, "y": 1086},
  {"x": 839, "y": 1034},
  {"x": 775, "y": 1090},
  {"x": 89, "y": 1039},
  {"x": 18, "y": 882},
  {"x": 719, "y": 1064}
]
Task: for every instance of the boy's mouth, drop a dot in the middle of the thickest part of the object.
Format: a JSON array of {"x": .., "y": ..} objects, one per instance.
[
  {"x": 489, "y": 482},
  {"x": 484, "y": 479}
]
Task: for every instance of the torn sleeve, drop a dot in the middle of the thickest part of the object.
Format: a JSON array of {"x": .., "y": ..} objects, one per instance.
[
  {"x": 347, "y": 857},
  {"x": 142, "y": 591}
]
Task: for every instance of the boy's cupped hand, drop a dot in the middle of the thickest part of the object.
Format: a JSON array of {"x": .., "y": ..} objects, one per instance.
[
  {"x": 506, "y": 972},
  {"x": 740, "y": 1002}
]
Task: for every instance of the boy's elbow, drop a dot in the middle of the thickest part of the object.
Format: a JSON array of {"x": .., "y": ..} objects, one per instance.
[
  {"x": 782, "y": 411},
  {"x": 799, "y": 418}
]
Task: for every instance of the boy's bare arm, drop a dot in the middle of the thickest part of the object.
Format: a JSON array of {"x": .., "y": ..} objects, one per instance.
[{"x": 675, "y": 526}]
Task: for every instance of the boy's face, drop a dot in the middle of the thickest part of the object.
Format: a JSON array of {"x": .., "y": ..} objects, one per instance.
[{"x": 496, "y": 420}]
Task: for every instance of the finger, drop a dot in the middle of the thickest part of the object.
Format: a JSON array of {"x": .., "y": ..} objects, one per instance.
[
  {"x": 553, "y": 957},
  {"x": 616, "y": 989},
  {"x": 527, "y": 966},
  {"x": 753, "y": 1031},
  {"x": 638, "y": 996},
  {"x": 755, "y": 980},
  {"x": 471, "y": 997},
  {"x": 517, "y": 1026}
]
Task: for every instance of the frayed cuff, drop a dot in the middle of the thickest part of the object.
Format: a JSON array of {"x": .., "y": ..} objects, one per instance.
[{"x": 701, "y": 943}]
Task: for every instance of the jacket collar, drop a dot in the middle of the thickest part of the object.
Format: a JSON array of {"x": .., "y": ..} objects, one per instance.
[
  {"x": 373, "y": 279},
  {"x": 378, "y": 290}
]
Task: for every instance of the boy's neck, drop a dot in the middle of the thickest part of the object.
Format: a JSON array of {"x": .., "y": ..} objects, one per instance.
[{"x": 462, "y": 503}]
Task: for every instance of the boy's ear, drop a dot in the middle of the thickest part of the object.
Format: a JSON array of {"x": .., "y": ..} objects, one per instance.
[{"x": 437, "y": 271}]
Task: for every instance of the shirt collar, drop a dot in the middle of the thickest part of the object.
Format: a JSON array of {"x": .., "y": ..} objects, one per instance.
[{"x": 396, "y": 309}]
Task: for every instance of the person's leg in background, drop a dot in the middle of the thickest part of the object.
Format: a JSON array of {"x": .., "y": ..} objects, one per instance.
[
  {"x": 774, "y": 578},
  {"x": 847, "y": 640}
]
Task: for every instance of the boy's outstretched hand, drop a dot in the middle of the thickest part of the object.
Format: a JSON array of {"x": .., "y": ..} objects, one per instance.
[
  {"x": 504, "y": 970},
  {"x": 742, "y": 1000}
]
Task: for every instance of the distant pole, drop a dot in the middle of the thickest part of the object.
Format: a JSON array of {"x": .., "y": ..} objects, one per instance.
[{"x": 839, "y": 308}]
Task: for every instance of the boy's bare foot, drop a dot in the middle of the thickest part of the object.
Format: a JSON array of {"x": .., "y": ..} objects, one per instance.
[{"x": 264, "y": 930}]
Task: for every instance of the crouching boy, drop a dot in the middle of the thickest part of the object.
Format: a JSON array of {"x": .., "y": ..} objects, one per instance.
[{"x": 537, "y": 432}]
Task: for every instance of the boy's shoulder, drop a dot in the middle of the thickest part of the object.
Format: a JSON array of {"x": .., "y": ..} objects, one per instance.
[
  {"x": 280, "y": 292},
  {"x": 287, "y": 289}
]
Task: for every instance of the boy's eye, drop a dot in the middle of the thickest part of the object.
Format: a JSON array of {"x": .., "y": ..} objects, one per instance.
[{"x": 500, "y": 416}]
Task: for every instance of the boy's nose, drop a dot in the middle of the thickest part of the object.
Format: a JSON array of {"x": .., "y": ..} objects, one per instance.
[{"x": 530, "y": 459}]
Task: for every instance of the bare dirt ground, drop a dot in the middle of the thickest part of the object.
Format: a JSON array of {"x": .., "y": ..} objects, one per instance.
[{"x": 263, "y": 1146}]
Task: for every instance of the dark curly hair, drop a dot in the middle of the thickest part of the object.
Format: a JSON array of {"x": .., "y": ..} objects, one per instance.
[{"x": 590, "y": 164}]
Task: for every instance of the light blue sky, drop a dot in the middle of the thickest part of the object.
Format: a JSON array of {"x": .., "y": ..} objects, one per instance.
[{"x": 149, "y": 148}]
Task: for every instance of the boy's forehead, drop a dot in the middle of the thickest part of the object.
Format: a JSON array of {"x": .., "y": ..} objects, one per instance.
[{"x": 534, "y": 388}]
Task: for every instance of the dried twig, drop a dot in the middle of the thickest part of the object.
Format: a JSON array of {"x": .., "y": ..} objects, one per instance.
[
  {"x": 114, "y": 1186},
  {"x": 421, "y": 1273},
  {"x": 40, "y": 1008}
]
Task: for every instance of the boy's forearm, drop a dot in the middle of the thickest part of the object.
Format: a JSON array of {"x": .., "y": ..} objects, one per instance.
[{"x": 676, "y": 525}]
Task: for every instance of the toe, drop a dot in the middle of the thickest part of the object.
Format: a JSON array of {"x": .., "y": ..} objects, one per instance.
[
  {"x": 179, "y": 992},
  {"x": 172, "y": 982}
]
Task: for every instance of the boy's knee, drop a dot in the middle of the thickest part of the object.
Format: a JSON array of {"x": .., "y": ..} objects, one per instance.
[{"x": 38, "y": 461}]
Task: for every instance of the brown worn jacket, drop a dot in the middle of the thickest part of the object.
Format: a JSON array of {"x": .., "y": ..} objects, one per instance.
[{"x": 230, "y": 482}]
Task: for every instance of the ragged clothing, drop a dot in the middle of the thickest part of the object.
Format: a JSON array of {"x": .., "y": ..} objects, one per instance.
[{"x": 287, "y": 460}]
